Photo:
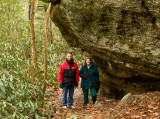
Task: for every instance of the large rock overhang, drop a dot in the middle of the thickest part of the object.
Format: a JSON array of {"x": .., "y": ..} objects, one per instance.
[{"x": 122, "y": 37}]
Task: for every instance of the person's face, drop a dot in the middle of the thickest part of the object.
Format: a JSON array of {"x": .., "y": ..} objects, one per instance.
[
  {"x": 88, "y": 61},
  {"x": 69, "y": 56}
]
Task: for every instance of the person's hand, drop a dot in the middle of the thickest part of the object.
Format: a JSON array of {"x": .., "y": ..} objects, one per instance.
[
  {"x": 84, "y": 77},
  {"x": 76, "y": 85},
  {"x": 61, "y": 86}
]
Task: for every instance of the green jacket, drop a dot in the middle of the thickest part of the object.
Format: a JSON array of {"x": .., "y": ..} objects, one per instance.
[{"x": 94, "y": 74}]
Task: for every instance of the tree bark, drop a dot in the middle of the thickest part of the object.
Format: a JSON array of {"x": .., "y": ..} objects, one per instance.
[
  {"x": 50, "y": 32},
  {"x": 45, "y": 45},
  {"x": 34, "y": 62},
  {"x": 29, "y": 11}
]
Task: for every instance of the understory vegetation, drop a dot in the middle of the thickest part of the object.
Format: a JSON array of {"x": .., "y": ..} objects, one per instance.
[{"x": 19, "y": 96}]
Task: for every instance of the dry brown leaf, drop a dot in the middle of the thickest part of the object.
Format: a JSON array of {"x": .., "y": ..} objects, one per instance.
[{"x": 135, "y": 117}]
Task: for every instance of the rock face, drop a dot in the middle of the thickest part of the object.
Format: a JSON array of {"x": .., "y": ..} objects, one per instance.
[{"x": 122, "y": 36}]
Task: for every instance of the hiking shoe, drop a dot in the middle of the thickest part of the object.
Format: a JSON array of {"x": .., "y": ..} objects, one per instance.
[
  {"x": 72, "y": 107},
  {"x": 84, "y": 105},
  {"x": 64, "y": 107}
]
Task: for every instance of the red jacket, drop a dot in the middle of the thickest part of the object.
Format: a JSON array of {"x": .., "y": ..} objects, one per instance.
[{"x": 68, "y": 74}]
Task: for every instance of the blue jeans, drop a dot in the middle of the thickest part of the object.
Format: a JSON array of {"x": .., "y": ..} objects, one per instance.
[{"x": 70, "y": 97}]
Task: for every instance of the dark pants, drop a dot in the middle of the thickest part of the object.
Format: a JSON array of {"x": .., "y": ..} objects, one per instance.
[
  {"x": 70, "y": 97},
  {"x": 92, "y": 93}
]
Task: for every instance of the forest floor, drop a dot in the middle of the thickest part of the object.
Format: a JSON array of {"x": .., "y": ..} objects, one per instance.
[{"x": 144, "y": 106}]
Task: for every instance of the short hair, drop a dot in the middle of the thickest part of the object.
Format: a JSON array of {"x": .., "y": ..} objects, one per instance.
[
  {"x": 89, "y": 59},
  {"x": 69, "y": 52}
]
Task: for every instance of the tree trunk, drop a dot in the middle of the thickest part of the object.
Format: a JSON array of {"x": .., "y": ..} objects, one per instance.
[
  {"x": 34, "y": 62},
  {"x": 29, "y": 11},
  {"x": 45, "y": 45},
  {"x": 50, "y": 32}
]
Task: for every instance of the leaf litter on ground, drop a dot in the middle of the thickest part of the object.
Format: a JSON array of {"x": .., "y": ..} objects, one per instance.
[{"x": 139, "y": 107}]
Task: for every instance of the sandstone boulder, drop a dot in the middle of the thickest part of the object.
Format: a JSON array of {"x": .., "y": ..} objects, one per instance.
[{"x": 122, "y": 37}]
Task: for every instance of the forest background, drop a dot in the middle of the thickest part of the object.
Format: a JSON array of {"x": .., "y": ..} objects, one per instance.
[{"x": 20, "y": 95}]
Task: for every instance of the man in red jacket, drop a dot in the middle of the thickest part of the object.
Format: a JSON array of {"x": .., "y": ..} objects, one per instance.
[{"x": 68, "y": 77}]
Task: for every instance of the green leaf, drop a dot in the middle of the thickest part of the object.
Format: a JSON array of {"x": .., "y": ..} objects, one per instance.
[
  {"x": 20, "y": 104},
  {"x": 4, "y": 104},
  {"x": 37, "y": 116},
  {"x": 73, "y": 117},
  {"x": 3, "y": 89},
  {"x": 8, "y": 99},
  {"x": 11, "y": 78},
  {"x": 4, "y": 77},
  {"x": 1, "y": 83},
  {"x": 14, "y": 114},
  {"x": 11, "y": 85}
]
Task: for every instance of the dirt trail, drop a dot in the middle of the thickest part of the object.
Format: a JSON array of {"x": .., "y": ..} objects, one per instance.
[
  {"x": 79, "y": 110},
  {"x": 146, "y": 106}
]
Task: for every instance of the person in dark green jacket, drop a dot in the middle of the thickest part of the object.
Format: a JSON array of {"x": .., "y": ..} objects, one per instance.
[{"x": 89, "y": 73}]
